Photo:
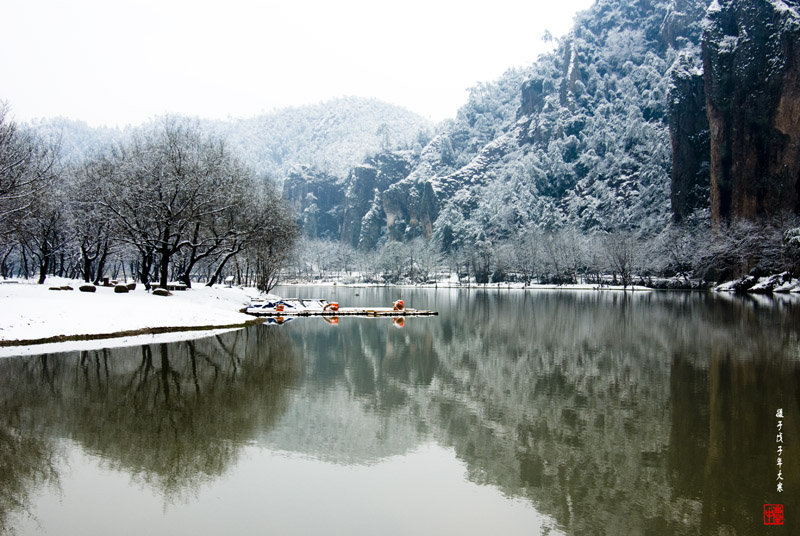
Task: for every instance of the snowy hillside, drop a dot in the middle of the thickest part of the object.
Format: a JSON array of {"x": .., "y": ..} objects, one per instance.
[
  {"x": 333, "y": 136},
  {"x": 579, "y": 139}
]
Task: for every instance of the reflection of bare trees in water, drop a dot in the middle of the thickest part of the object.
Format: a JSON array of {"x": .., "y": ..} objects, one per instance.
[
  {"x": 172, "y": 415},
  {"x": 613, "y": 413},
  {"x": 26, "y": 463}
]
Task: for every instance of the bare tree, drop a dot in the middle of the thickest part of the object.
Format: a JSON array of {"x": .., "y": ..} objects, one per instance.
[
  {"x": 172, "y": 190},
  {"x": 368, "y": 264},
  {"x": 526, "y": 254},
  {"x": 43, "y": 229},
  {"x": 225, "y": 233},
  {"x": 27, "y": 167},
  {"x": 481, "y": 254},
  {"x": 742, "y": 247},
  {"x": 274, "y": 235},
  {"x": 428, "y": 258},
  {"x": 791, "y": 242},
  {"x": 393, "y": 257},
  {"x": 564, "y": 254},
  {"x": 621, "y": 250},
  {"x": 89, "y": 221}
]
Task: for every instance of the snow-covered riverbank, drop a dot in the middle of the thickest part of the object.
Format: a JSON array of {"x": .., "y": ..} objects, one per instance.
[
  {"x": 31, "y": 312},
  {"x": 74, "y": 320}
]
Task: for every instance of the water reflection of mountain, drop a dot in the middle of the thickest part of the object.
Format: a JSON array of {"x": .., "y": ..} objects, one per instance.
[
  {"x": 353, "y": 404},
  {"x": 651, "y": 413},
  {"x": 610, "y": 412},
  {"x": 603, "y": 408}
]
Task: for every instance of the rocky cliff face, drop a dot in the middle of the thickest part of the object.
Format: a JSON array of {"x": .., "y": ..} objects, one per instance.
[
  {"x": 364, "y": 215},
  {"x": 751, "y": 60},
  {"x": 626, "y": 114},
  {"x": 349, "y": 209},
  {"x": 583, "y": 137},
  {"x": 689, "y": 136},
  {"x": 316, "y": 198}
]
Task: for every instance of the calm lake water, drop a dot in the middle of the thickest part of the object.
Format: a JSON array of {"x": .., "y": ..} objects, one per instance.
[{"x": 510, "y": 413}]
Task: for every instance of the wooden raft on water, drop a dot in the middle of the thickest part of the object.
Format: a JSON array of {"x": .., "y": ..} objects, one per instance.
[
  {"x": 318, "y": 307},
  {"x": 351, "y": 311}
]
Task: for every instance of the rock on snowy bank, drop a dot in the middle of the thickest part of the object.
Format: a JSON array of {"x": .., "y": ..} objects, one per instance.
[{"x": 782, "y": 283}]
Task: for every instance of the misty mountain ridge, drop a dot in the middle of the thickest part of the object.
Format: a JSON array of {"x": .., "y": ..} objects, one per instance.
[{"x": 333, "y": 136}]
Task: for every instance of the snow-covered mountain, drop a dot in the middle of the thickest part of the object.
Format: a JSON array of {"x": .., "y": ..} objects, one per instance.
[
  {"x": 580, "y": 138},
  {"x": 332, "y": 136},
  {"x": 612, "y": 131}
]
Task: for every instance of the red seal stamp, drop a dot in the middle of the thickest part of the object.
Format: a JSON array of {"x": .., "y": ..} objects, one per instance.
[{"x": 773, "y": 514}]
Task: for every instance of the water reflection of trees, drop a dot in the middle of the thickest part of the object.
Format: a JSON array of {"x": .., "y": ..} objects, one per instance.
[
  {"x": 613, "y": 413},
  {"x": 25, "y": 464},
  {"x": 173, "y": 416},
  {"x": 582, "y": 403}
]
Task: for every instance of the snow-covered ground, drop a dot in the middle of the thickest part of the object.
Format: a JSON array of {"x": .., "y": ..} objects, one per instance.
[
  {"x": 29, "y": 311},
  {"x": 464, "y": 286},
  {"x": 354, "y": 280}
]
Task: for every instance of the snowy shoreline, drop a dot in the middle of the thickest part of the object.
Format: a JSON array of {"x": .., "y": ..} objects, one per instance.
[
  {"x": 777, "y": 284},
  {"x": 36, "y": 319},
  {"x": 472, "y": 286}
]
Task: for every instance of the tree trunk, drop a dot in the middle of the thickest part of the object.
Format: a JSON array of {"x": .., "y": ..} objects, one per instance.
[
  {"x": 165, "y": 255},
  {"x": 164, "y": 278},
  {"x": 101, "y": 264},
  {"x": 147, "y": 263},
  {"x": 4, "y": 263},
  {"x": 193, "y": 258},
  {"x": 87, "y": 264},
  {"x": 26, "y": 270},
  {"x": 87, "y": 269},
  {"x": 218, "y": 271},
  {"x": 44, "y": 265}
]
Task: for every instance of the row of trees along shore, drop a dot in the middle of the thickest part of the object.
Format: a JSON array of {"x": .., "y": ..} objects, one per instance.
[
  {"x": 170, "y": 203},
  {"x": 682, "y": 256}
]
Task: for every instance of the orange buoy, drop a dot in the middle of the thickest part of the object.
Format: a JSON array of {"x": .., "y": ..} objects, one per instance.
[
  {"x": 333, "y": 306},
  {"x": 399, "y": 305},
  {"x": 279, "y": 307}
]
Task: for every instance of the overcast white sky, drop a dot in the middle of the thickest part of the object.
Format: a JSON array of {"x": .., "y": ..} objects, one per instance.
[{"x": 118, "y": 62}]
